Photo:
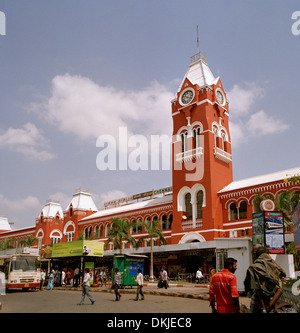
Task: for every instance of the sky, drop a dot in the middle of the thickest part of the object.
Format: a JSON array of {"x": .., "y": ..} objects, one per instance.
[{"x": 73, "y": 73}]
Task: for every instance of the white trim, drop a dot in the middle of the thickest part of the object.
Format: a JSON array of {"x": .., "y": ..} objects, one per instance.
[
  {"x": 67, "y": 225},
  {"x": 56, "y": 230},
  {"x": 190, "y": 236}
]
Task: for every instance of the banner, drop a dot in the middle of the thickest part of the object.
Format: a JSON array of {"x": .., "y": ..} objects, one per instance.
[{"x": 78, "y": 248}]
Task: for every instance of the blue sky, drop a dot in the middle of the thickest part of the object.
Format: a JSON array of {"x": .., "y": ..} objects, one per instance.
[{"x": 71, "y": 71}]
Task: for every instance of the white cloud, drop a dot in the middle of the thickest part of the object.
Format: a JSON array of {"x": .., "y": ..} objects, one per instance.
[
  {"x": 63, "y": 199},
  {"x": 108, "y": 196},
  {"x": 245, "y": 124},
  {"x": 81, "y": 107},
  {"x": 27, "y": 140},
  {"x": 25, "y": 204},
  {"x": 261, "y": 124},
  {"x": 241, "y": 99}
]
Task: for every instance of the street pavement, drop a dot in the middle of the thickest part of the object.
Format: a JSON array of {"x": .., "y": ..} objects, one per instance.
[{"x": 178, "y": 298}]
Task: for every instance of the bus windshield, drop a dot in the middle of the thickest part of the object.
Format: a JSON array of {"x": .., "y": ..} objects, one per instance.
[{"x": 24, "y": 264}]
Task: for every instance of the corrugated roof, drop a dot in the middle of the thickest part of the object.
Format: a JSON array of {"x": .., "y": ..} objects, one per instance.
[
  {"x": 130, "y": 207},
  {"x": 263, "y": 179}
]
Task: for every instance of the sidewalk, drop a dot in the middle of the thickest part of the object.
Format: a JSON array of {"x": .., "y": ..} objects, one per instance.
[{"x": 188, "y": 290}]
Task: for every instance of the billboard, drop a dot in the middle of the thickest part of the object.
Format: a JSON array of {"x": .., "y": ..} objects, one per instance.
[
  {"x": 268, "y": 231},
  {"x": 78, "y": 248},
  {"x": 296, "y": 226}
]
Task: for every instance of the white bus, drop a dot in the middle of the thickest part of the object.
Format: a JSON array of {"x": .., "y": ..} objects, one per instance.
[{"x": 21, "y": 270}]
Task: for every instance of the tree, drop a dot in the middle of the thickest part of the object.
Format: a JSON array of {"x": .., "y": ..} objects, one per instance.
[
  {"x": 120, "y": 229},
  {"x": 30, "y": 240},
  {"x": 153, "y": 231},
  {"x": 285, "y": 202},
  {"x": 83, "y": 236}
]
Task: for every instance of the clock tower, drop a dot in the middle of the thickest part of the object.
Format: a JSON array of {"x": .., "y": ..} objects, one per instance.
[{"x": 201, "y": 147}]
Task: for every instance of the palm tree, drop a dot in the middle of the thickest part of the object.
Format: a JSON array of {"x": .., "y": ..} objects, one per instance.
[
  {"x": 30, "y": 240},
  {"x": 82, "y": 236},
  {"x": 153, "y": 231},
  {"x": 285, "y": 202},
  {"x": 120, "y": 229}
]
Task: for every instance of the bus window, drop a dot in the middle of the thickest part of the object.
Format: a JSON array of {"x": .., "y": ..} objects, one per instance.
[{"x": 24, "y": 264}]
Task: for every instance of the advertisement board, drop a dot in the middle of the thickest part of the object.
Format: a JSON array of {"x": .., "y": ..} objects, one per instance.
[
  {"x": 77, "y": 248},
  {"x": 268, "y": 231},
  {"x": 258, "y": 235},
  {"x": 274, "y": 232},
  {"x": 296, "y": 226}
]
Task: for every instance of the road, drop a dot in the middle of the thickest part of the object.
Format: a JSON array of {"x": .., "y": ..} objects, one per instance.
[{"x": 64, "y": 301}]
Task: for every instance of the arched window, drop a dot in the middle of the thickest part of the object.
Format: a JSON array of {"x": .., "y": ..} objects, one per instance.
[
  {"x": 183, "y": 141},
  {"x": 223, "y": 139},
  {"x": 139, "y": 226},
  {"x": 170, "y": 220},
  {"x": 88, "y": 232},
  {"x": 215, "y": 130},
  {"x": 164, "y": 222},
  {"x": 101, "y": 231},
  {"x": 196, "y": 137},
  {"x": 107, "y": 228},
  {"x": 199, "y": 203},
  {"x": 243, "y": 210},
  {"x": 233, "y": 215},
  {"x": 188, "y": 206}
]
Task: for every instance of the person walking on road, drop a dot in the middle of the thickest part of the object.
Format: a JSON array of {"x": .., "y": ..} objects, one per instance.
[
  {"x": 76, "y": 277},
  {"x": 50, "y": 285},
  {"x": 223, "y": 289},
  {"x": 199, "y": 275},
  {"x": 117, "y": 284},
  {"x": 139, "y": 280},
  {"x": 263, "y": 279},
  {"x": 163, "y": 282},
  {"x": 85, "y": 287},
  {"x": 43, "y": 277}
]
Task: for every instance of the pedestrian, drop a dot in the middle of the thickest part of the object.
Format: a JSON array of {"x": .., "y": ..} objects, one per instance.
[
  {"x": 212, "y": 272},
  {"x": 51, "y": 281},
  {"x": 139, "y": 280},
  {"x": 103, "y": 277},
  {"x": 199, "y": 275},
  {"x": 223, "y": 289},
  {"x": 117, "y": 284},
  {"x": 263, "y": 280},
  {"x": 76, "y": 277},
  {"x": 63, "y": 276},
  {"x": 43, "y": 276},
  {"x": 68, "y": 277},
  {"x": 85, "y": 287},
  {"x": 163, "y": 278}
]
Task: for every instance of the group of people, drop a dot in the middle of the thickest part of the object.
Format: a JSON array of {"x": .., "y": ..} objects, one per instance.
[{"x": 263, "y": 280}]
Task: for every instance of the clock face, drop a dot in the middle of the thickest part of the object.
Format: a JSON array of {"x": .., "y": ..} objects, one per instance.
[
  {"x": 187, "y": 96},
  {"x": 220, "y": 97}
]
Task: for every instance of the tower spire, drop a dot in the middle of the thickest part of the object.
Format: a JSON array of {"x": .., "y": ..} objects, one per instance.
[{"x": 198, "y": 50}]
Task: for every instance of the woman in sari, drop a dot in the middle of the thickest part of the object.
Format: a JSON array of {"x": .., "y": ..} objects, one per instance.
[{"x": 51, "y": 281}]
